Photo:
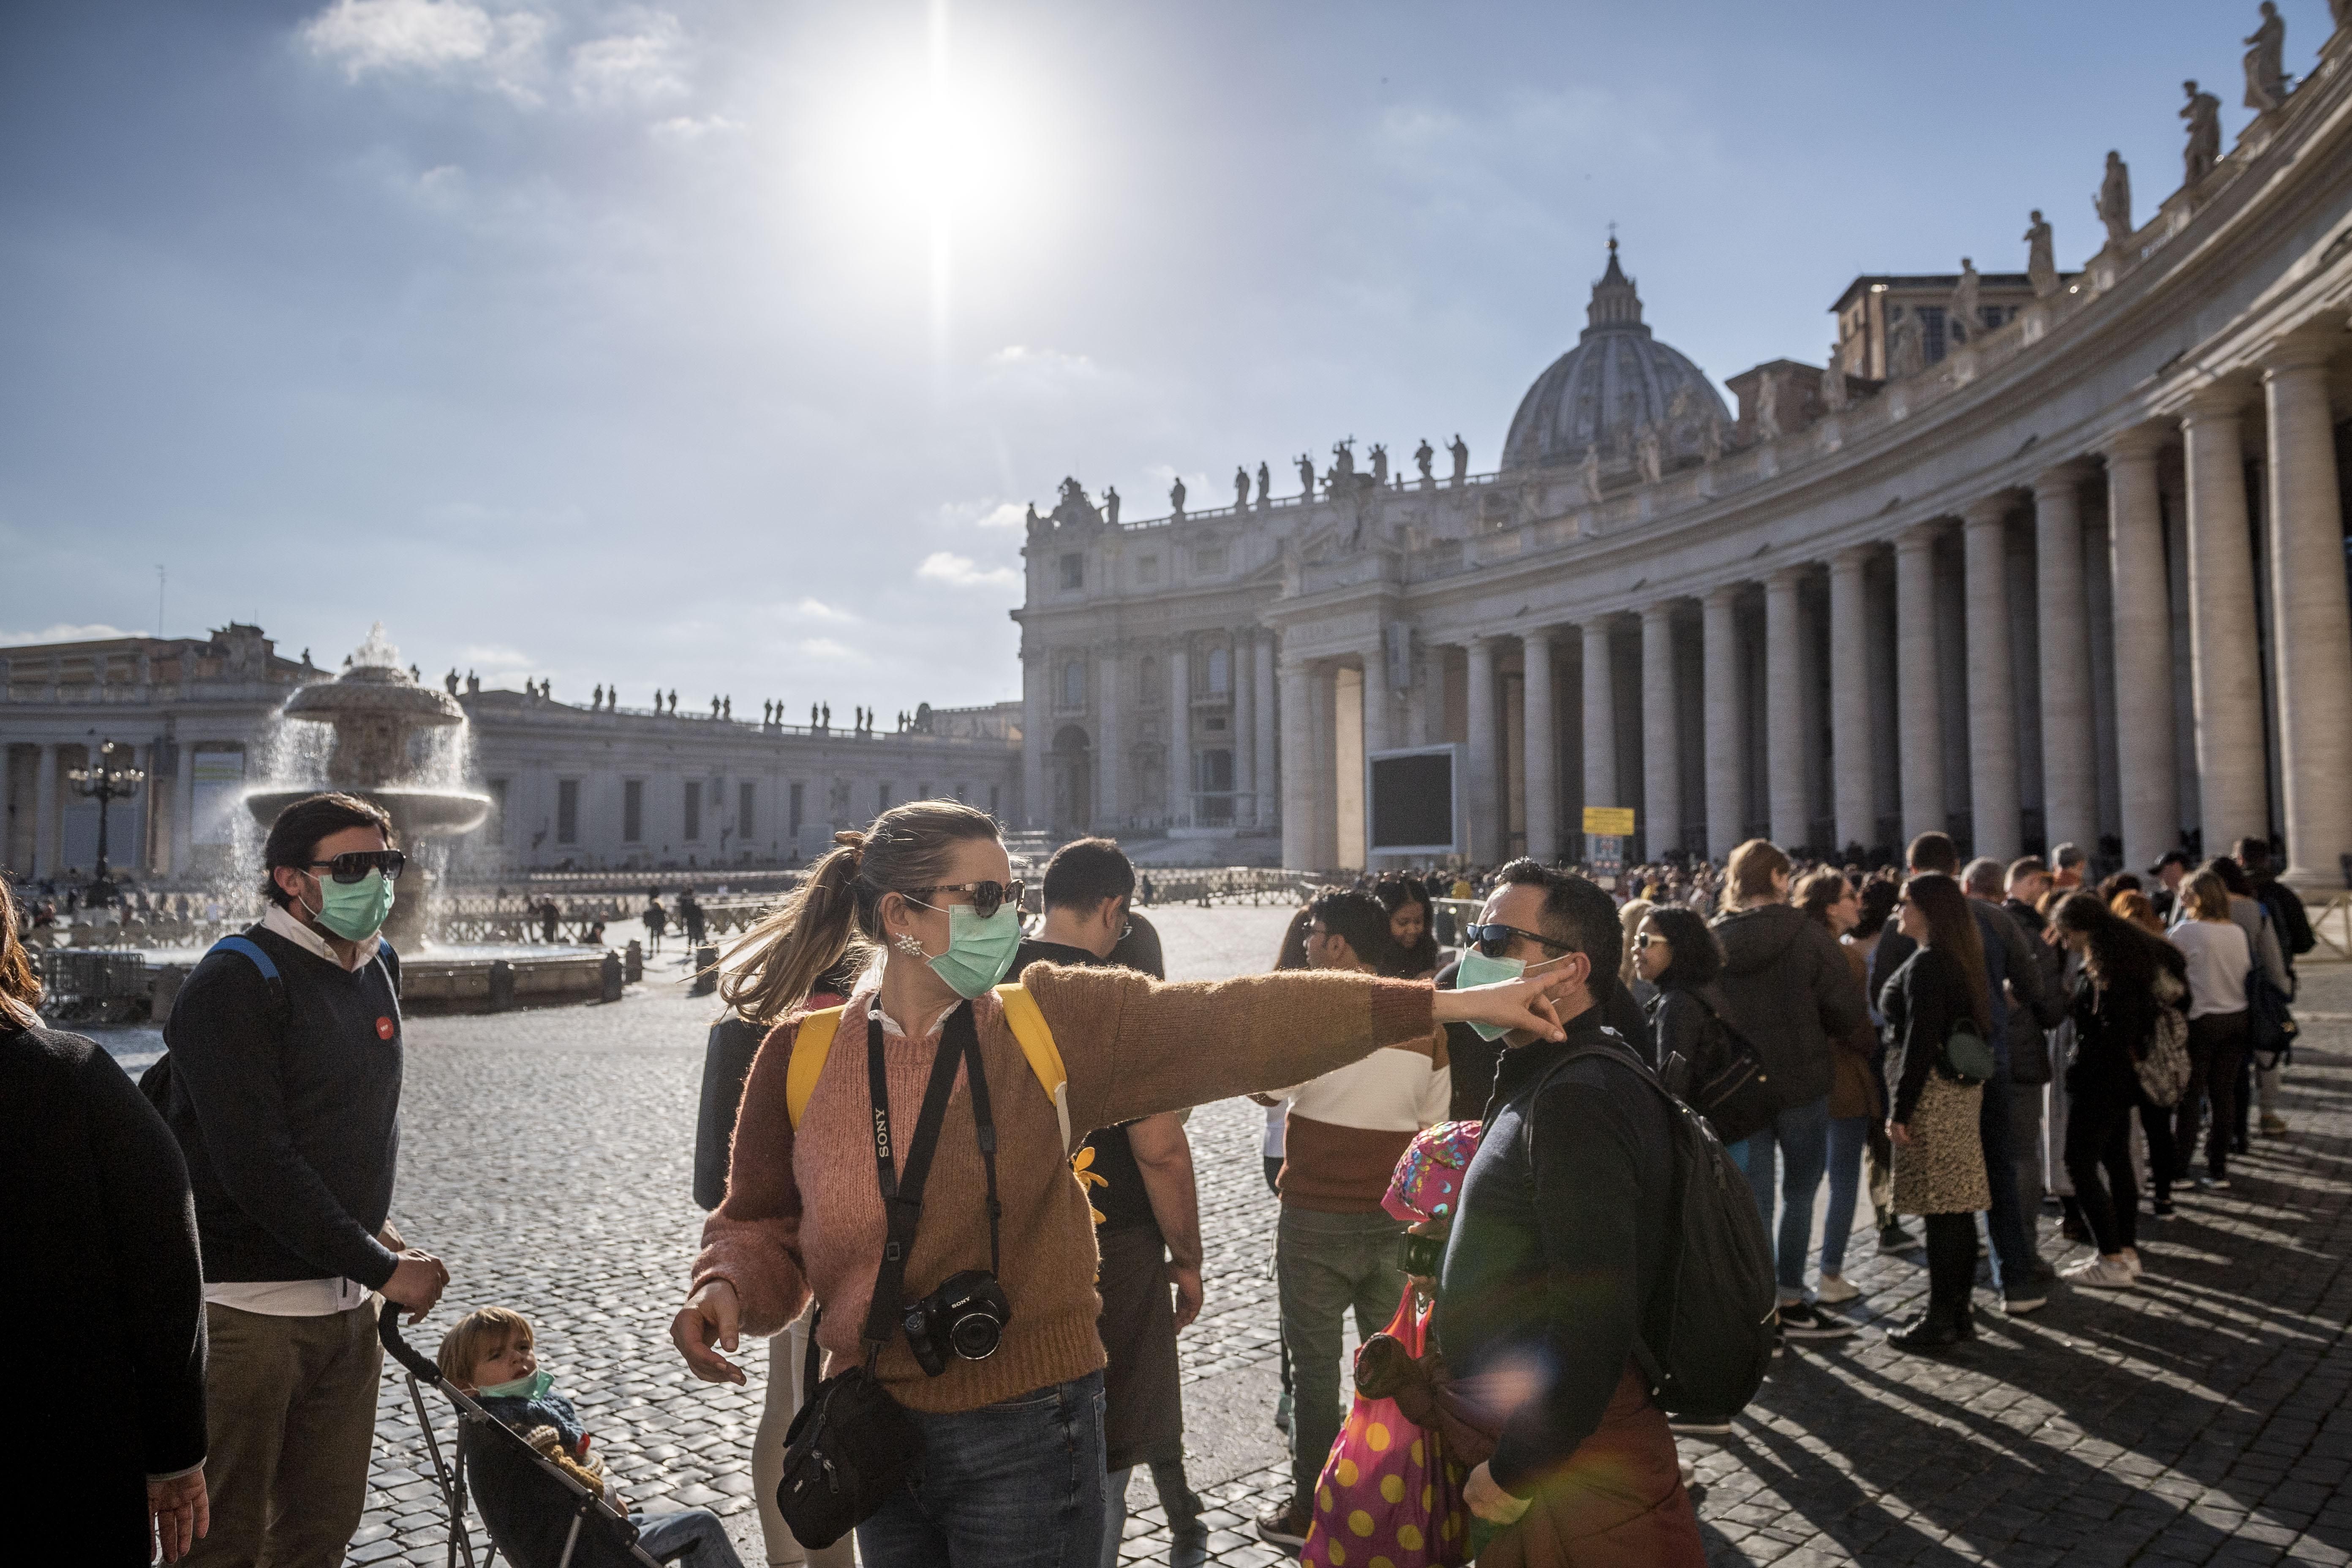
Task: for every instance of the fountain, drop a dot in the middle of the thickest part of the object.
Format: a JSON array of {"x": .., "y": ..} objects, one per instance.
[{"x": 375, "y": 709}]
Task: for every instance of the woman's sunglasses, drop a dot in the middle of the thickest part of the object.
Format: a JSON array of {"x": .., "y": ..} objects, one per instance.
[
  {"x": 987, "y": 898},
  {"x": 1495, "y": 940},
  {"x": 355, "y": 866}
]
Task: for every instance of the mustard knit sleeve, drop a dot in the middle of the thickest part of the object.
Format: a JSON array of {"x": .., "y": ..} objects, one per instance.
[{"x": 1134, "y": 1046}]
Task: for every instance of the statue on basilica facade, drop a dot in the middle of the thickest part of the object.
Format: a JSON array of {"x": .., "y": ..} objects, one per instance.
[
  {"x": 1906, "y": 352},
  {"x": 1265, "y": 486},
  {"x": 1110, "y": 505},
  {"x": 2040, "y": 257},
  {"x": 1241, "y": 488},
  {"x": 1423, "y": 455},
  {"x": 1176, "y": 497},
  {"x": 1962, "y": 319},
  {"x": 1379, "y": 463},
  {"x": 1306, "y": 476},
  {"x": 1768, "y": 408},
  {"x": 1710, "y": 438},
  {"x": 1034, "y": 518},
  {"x": 2203, "y": 112},
  {"x": 2267, "y": 83},
  {"x": 1650, "y": 452},
  {"x": 1834, "y": 395},
  {"x": 1591, "y": 474},
  {"x": 2114, "y": 200},
  {"x": 1461, "y": 449}
]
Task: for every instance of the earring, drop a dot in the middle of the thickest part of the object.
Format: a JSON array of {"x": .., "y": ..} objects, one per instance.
[{"x": 910, "y": 944}]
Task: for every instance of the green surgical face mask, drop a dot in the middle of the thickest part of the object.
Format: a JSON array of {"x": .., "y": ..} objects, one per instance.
[
  {"x": 1478, "y": 969},
  {"x": 979, "y": 951},
  {"x": 354, "y": 910},
  {"x": 530, "y": 1387}
]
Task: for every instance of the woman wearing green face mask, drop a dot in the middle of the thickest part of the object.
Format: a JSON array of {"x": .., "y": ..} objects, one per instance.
[{"x": 1012, "y": 1472}]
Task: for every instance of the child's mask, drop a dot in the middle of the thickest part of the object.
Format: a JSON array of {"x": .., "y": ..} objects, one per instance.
[{"x": 530, "y": 1387}]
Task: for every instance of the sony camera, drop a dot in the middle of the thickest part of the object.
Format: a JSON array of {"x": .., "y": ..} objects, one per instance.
[
  {"x": 1420, "y": 1254},
  {"x": 966, "y": 1314}
]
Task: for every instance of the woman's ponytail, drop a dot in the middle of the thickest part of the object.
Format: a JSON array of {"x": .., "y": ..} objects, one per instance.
[{"x": 780, "y": 960}]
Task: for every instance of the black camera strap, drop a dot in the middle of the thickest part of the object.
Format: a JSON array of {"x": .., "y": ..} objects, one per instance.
[{"x": 902, "y": 1198}]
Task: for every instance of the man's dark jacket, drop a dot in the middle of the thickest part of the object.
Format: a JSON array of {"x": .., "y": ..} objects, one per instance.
[
  {"x": 1560, "y": 1242},
  {"x": 1790, "y": 990}
]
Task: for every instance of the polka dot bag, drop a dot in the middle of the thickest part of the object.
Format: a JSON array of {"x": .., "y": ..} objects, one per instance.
[{"x": 1387, "y": 1498}]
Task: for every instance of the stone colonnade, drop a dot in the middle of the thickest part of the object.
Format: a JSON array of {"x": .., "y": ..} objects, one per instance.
[{"x": 1987, "y": 673}]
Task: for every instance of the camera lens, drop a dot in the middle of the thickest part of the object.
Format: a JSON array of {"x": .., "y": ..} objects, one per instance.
[{"x": 975, "y": 1335}]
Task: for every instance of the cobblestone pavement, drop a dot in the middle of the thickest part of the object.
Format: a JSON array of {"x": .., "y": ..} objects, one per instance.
[{"x": 2201, "y": 1419}]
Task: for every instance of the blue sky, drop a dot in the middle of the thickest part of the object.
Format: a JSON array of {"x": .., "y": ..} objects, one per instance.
[{"x": 717, "y": 347}]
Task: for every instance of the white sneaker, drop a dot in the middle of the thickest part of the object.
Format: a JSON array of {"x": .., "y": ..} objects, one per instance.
[
  {"x": 2131, "y": 1261},
  {"x": 1834, "y": 1288},
  {"x": 2097, "y": 1273}
]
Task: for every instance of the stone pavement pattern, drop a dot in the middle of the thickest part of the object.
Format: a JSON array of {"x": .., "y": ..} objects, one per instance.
[{"x": 2202, "y": 1418}]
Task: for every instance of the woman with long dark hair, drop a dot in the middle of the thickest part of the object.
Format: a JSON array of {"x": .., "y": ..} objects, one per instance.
[
  {"x": 2116, "y": 1007},
  {"x": 1676, "y": 951},
  {"x": 1940, "y": 1166},
  {"x": 1856, "y": 1106},
  {"x": 1010, "y": 1425},
  {"x": 1412, "y": 944}
]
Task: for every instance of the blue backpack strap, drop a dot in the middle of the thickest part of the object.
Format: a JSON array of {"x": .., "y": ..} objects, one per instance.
[{"x": 245, "y": 947}]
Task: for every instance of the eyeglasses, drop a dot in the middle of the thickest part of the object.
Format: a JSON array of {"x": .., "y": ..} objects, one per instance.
[
  {"x": 987, "y": 898},
  {"x": 1495, "y": 940},
  {"x": 355, "y": 866}
]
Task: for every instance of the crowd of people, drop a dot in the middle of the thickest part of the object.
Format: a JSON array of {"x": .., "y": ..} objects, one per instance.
[{"x": 944, "y": 1157}]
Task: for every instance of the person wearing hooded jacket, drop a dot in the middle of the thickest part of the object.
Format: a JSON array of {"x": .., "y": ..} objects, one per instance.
[{"x": 1792, "y": 991}]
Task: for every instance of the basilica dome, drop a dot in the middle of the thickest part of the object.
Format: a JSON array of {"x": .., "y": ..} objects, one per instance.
[{"x": 1617, "y": 381}]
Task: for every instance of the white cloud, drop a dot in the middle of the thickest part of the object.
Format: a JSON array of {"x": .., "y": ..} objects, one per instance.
[
  {"x": 631, "y": 66},
  {"x": 685, "y": 130},
  {"x": 497, "y": 657},
  {"x": 1006, "y": 515},
  {"x": 1021, "y": 359},
  {"x": 962, "y": 572},
  {"x": 96, "y": 631},
  {"x": 429, "y": 37},
  {"x": 818, "y": 610},
  {"x": 827, "y": 651}
]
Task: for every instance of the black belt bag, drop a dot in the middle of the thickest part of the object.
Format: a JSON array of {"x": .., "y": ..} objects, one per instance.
[{"x": 853, "y": 1445}]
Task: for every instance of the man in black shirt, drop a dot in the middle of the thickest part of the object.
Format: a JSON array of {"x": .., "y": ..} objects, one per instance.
[
  {"x": 1558, "y": 1250},
  {"x": 1138, "y": 1177},
  {"x": 285, "y": 1096}
]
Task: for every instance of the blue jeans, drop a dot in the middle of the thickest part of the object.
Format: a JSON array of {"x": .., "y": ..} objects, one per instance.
[
  {"x": 1849, "y": 1137},
  {"x": 1324, "y": 1265},
  {"x": 695, "y": 1538},
  {"x": 1017, "y": 1484},
  {"x": 2005, "y": 1222},
  {"x": 1802, "y": 1133}
]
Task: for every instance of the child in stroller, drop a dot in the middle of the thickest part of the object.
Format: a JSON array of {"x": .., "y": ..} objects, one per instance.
[{"x": 488, "y": 1355}]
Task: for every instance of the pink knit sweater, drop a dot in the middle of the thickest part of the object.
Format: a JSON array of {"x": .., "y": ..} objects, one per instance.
[{"x": 804, "y": 1212}]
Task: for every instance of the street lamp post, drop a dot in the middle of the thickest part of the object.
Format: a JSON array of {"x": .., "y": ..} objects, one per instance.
[{"x": 105, "y": 784}]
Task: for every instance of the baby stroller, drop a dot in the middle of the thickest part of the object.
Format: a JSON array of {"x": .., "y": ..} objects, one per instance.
[{"x": 550, "y": 1519}]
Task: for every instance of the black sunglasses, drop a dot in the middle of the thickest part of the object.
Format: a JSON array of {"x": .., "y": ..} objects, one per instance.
[
  {"x": 1495, "y": 940},
  {"x": 987, "y": 898},
  {"x": 354, "y": 866}
]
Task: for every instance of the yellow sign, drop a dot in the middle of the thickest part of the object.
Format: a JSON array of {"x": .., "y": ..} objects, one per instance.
[{"x": 1609, "y": 821}]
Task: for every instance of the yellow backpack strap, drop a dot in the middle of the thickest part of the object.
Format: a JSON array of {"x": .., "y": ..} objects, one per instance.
[
  {"x": 1037, "y": 1040},
  {"x": 812, "y": 1042}
]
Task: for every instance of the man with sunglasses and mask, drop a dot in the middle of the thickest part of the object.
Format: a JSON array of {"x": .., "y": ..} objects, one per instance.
[
  {"x": 1557, "y": 1247},
  {"x": 283, "y": 1087}
]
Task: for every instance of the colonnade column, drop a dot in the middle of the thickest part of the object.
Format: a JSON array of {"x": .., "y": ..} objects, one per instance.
[
  {"x": 1919, "y": 722},
  {"x": 1034, "y": 741},
  {"x": 1662, "y": 773},
  {"x": 1180, "y": 733},
  {"x": 1244, "y": 679},
  {"x": 2145, "y": 776},
  {"x": 1299, "y": 806},
  {"x": 1379, "y": 732},
  {"x": 1264, "y": 779},
  {"x": 2311, "y": 634},
  {"x": 1849, "y": 726},
  {"x": 1784, "y": 732},
  {"x": 2225, "y": 671},
  {"x": 1110, "y": 804},
  {"x": 1992, "y": 689},
  {"x": 1485, "y": 780},
  {"x": 1599, "y": 717},
  {"x": 2070, "y": 799},
  {"x": 1542, "y": 748},
  {"x": 44, "y": 813},
  {"x": 1726, "y": 771}
]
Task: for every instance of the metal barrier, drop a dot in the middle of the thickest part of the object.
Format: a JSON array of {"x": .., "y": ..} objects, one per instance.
[{"x": 2336, "y": 945}]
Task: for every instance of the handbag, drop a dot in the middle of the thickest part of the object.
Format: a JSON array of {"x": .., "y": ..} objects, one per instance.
[
  {"x": 1966, "y": 1056},
  {"x": 2271, "y": 1027},
  {"x": 2162, "y": 1066},
  {"x": 1730, "y": 1087},
  {"x": 1390, "y": 1492},
  {"x": 853, "y": 1445}
]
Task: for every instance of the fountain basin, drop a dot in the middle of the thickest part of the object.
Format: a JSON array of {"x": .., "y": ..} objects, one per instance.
[{"x": 434, "y": 813}]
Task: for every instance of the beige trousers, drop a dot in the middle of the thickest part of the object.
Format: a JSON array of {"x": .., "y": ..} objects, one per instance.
[
  {"x": 787, "y": 1352},
  {"x": 289, "y": 1411}
]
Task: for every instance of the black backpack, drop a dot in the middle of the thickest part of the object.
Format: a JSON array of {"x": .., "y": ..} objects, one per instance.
[
  {"x": 155, "y": 1083},
  {"x": 1708, "y": 1333}
]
